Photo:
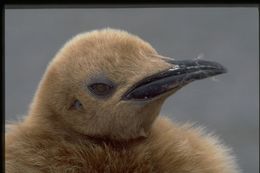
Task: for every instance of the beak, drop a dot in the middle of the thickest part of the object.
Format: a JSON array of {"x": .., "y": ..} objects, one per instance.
[{"x": 178, "y": 75}]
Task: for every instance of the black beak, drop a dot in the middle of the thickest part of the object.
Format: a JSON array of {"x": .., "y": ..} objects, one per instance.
[{"x": 181, "y": 73}]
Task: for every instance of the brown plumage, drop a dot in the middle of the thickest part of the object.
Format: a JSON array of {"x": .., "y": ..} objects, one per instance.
[{"x": 77, "y": 124}]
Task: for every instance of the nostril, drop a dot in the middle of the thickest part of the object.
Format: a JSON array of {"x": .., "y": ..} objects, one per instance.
[{"x": 76, "y": 105}]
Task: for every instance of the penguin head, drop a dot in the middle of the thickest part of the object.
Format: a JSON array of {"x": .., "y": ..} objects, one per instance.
[{"x": 109, "y": 83}]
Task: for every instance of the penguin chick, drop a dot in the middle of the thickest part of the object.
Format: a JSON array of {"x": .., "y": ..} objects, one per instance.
[{"x": 96, "y": 110}]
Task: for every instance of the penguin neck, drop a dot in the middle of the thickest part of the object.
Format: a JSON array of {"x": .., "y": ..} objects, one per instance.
[
  {"x": 42, "y": 117},
  {"x": 45, "y": 121}
]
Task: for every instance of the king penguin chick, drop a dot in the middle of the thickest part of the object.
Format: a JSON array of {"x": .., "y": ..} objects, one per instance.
[{"x": 96, "y": 111}]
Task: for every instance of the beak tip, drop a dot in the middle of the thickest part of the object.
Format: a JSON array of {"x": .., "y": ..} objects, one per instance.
[
  {"x": 225, "y": 70},
  {"x": 222, "y": 69}
]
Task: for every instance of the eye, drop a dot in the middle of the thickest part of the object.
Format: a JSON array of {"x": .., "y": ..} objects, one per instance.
[{"x": 100, "y": 89}]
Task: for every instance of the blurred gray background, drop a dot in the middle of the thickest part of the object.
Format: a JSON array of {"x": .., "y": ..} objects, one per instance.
[{"x": 228, "y": 106}]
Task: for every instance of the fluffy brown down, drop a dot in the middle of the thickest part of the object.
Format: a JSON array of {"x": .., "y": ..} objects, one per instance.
[{"x": 107, "y": 135}]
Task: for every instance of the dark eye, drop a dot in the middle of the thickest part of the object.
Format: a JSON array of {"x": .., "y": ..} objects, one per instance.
[{"x": 100, "y": 89}]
